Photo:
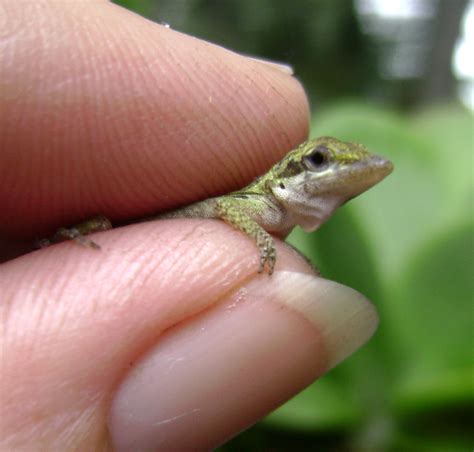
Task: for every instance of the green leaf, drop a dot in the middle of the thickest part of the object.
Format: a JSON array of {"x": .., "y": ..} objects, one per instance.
[
  {"x": 435, "y": 321},
  {"x": 320, "y": 407}
]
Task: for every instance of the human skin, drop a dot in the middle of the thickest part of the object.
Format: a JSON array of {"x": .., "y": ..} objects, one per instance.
[{"x": 166, "y": 338}]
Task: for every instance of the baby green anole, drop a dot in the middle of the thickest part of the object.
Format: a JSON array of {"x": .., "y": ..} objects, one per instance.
[{"x": 304, "y": 189}]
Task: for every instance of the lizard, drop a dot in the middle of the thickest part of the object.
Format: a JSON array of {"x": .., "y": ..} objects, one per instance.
[{"x": 304, "y": 188}]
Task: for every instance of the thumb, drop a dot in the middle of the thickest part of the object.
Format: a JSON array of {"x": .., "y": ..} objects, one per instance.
[
  {"x": 223, "y": 370},
  {"x": 166, "y": 338}
]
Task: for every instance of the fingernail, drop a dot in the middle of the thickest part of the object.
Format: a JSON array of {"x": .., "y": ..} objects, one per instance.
[
  {"x": 283, "y": 67},
  {"x": 220, "y": 371},
  {"x": 343, "y": 316}
]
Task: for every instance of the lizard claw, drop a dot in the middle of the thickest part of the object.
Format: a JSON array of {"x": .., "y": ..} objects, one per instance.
[
  {"x": 271, "y": 259},
  {"x": 267, "y": 254}
]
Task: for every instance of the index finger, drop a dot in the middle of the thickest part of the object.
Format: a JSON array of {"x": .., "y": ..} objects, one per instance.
[{"x": 106, "y": 112}]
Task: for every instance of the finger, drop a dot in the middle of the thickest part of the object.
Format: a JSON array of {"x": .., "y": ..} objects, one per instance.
[
  {"x": 165, "y": 320},
  {"x": 106, "y": 112},
  {"x": 260, "y": 346}
]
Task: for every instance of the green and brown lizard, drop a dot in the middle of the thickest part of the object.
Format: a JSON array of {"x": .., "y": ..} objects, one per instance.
[{"x": 304, "y": 189}]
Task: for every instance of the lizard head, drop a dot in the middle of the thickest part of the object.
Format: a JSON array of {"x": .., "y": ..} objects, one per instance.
[{"x": 321, "y": 174}]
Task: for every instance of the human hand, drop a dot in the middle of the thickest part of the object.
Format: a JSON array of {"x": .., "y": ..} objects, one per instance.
[{"x": 167, "y": 337}]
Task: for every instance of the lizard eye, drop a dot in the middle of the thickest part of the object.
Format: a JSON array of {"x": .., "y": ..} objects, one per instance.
[{"x": 319, "y": 157}]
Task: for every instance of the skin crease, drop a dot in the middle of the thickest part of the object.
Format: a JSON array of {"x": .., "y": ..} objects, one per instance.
[{"x": 105, "y": 112}]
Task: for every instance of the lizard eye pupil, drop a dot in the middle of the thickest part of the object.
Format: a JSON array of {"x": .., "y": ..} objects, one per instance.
[{"x": 319, "y": 157}]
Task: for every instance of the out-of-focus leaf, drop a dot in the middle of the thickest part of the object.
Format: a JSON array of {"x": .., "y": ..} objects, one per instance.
[
  {"x": 325, "y": 406},
  {"x": 143, "y": 7},
  {"x": 450, "y": 133},
  {"x": 343, "y": 252},
  {"x": 404, "y": 209},
  {"x": 428, "y": 441},
  {"x": 435, "y": 321},
  {"x": 411, "y": 362}
]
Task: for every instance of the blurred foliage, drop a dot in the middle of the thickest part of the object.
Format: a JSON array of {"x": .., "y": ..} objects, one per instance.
[
  {"x": 407, "y": 244},
  {"x": 302, "y": 33}
]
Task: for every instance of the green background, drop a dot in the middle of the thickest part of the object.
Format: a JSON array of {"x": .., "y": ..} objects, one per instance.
[{"x": 407, "y": 244}]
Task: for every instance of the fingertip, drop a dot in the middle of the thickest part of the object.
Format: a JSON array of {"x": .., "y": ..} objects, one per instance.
[
  {"x": 144, "y": 118},
  {"x": 221, "y": 371}
]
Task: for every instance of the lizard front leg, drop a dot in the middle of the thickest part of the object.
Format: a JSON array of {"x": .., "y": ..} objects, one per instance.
[
  {"x": 78, "y": 233},
  {"x": 236, "y": 217}
]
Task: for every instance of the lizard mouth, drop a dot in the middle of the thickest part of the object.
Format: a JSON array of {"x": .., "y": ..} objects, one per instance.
[
  {"x": 360, "y": 176},
  {"x": 376, "y": 166},
  {"x": 375, "y": 169}
]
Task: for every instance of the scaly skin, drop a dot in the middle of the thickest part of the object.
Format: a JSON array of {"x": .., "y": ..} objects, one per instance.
[{"x": 303, "y": 189}]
